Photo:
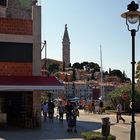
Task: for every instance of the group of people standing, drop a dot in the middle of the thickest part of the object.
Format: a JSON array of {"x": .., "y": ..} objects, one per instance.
[
  {"x": 95, "y": 107},
  {"x": 48, "y": 109},
  {"x": 67, "y": 108}
]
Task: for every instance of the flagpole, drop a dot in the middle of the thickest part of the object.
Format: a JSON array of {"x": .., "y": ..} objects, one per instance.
[{"x": 101, "y": 70}]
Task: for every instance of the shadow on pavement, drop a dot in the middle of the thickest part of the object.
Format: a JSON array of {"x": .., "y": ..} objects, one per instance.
[{"x": 49, "y": 131}]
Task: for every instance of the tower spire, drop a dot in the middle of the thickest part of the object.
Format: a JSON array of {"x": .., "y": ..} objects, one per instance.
[
  {"x": 66, "y": 48},
  {"x": 66, "y": 35}
]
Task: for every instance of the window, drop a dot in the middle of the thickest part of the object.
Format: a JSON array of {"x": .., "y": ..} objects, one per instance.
[
  {"x": 16, "y": 52},
  {"x": 3, "y": 2}
]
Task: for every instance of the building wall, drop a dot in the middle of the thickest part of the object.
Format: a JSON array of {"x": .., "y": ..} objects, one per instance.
[
  {"x": 96, "y": 93},
  {"x": 15, "y": 69},
  {"x": 78, "y": 89},
  {"x": 9, "y": 30},
  {"x": 20, "y": 23},
  {"x": 65, "y": 76},
  {"x": 19, "y": 8},
  {"x": 36, "y": 40},
  {"x": 37, "y": 107},
  {"x": 15, "y": 26},
  {"x": 66, "y": 54}
]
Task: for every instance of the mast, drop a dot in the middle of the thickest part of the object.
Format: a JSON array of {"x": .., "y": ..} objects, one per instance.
[{"x": 101, "y": 70}]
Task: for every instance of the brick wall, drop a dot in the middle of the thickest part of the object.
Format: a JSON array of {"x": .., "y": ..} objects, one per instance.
[
  {"x": 15, "y": 69},
  {"x": 37, "y": 102},
  {"x": 16, "y": 26},
  {"x": 37, "y": 108}
]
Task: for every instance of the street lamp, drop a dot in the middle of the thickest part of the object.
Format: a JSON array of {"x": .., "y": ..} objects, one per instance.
[{"x": 132, "y": 17}]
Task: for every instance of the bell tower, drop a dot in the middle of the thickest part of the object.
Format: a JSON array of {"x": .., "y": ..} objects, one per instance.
[{"x": 66, "y": 48}]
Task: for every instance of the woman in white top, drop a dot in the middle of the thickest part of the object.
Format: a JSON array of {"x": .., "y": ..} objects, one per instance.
[{"x": 45, "y": 109}]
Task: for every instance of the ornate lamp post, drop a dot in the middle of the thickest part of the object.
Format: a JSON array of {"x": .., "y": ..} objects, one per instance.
[{"x": 132, "y": 17}]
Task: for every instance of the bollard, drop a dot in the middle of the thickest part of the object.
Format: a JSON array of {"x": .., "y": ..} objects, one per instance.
[{"x": 105, "y": 126}]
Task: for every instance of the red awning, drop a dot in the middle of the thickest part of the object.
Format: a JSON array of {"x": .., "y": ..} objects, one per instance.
[{"x": 29, "y": 83}]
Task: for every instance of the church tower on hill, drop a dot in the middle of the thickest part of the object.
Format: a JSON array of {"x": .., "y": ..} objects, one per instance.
[{"x": 66, "y": 48}]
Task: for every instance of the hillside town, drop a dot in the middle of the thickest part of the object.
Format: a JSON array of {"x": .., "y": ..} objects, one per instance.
[
  {"x": 85, "y": 81},
  {"x": 56, "y": 96}
]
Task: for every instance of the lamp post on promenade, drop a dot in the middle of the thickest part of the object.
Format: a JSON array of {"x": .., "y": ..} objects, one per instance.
[{"x": 132, "y": 18}]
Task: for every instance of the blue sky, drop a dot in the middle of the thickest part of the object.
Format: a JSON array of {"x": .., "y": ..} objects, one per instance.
[{"x": 90, "y": 23}]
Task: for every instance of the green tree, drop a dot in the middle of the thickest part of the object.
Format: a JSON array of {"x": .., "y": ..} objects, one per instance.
[
  {"x": 116, "y": 73},
  {"x": 116, "y": 96},
  {"x": 106, "y": 73},
  {"x": 46, "y": 95},
  {"x": 90, "y": 66},
  {"x": 77, "y": 66},
  {"x": 53, "y": 68},
  {"x": 57, "y": 74},
  {"x": 119, "y": 74},
  {"x": 85, "y": 63},
  {"x": 94, "y": 66},
  {"x": 74, "y": 75}
]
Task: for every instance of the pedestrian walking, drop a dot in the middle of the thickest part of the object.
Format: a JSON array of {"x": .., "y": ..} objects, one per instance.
[
  {"x": 71, "y": 114},
  {"x": 119, "y": 113},
  {"x": 97, "y": 107},
  {"x": 45, "y": 109},
  {"x": 68, "y": 109},
  {"x": 61, "y": 110},
  {"x": 93, "y": 106},
  {"x": 101, "y": 104},
  {"x": 51, "y": 107},
  {"x": 130, "y": 106}
]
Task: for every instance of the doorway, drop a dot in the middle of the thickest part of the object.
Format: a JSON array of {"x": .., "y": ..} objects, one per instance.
[{"x": 14, "y": 104}]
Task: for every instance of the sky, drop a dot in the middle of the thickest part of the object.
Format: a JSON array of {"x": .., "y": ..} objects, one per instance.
[{"x": 91, "y": 24}]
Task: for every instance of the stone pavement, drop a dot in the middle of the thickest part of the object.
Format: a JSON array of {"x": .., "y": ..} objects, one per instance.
[{"x": 57, "y": 130}]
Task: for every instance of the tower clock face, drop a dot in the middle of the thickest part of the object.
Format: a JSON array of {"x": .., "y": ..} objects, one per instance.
[{"x": 25, "y": 3}]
